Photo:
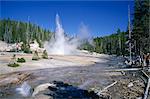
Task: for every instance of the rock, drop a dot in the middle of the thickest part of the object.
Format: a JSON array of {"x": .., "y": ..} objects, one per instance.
[
  {"x": 148, "y": 69},
  {"x": 34, "y": 46},
  {"x": 130, "y": 84},
  {"x": 13, "y": 78},
  {"x": 139, "y": 98}
]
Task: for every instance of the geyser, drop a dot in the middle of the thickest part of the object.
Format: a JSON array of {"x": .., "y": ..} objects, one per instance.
[{"x": 59, "y": 44}]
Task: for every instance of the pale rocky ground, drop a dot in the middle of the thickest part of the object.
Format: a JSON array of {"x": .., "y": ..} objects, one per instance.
[
  {"x": 54, "y": 61},
  {"x": 86, "y": 71}
]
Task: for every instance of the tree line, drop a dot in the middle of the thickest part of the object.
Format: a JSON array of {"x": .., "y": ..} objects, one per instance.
[
  {"x": 112, "y": 44},
  {"x": 12, "y": 31},
  {"x": 141, "y": 26},
  {"x": 118, "y": 43}
]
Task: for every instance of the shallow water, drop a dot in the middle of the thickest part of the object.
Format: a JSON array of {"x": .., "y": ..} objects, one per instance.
[
  {"x": 85, "y": 77},
  {"x": 24, "y": 89}
]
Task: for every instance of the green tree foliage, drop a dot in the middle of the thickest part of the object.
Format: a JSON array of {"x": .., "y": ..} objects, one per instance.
[
  {"x": 140, "y": 36},
  {"x": 15, "y": 31},
  {"x": 141, "y": 23},
  {"x": 45, "y": 54},
  {"x": 113, "y": 44},
  {"x": 26, "y": 48},
  {"x": 13, "y": 65},
  {"x": 87, "y": 46},
  {"x": 21, "y": 60}
]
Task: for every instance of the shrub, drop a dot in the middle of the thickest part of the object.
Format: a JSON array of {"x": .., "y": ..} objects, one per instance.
[
  {"x": 27, "y": 51},
  {"x": 21, "y": 60},
  {"x": 35, "y": 58},
  {"x": 26, "y": 48},
  {"x": 40, "y": 43},
  {"x": 13, "y": 65}
]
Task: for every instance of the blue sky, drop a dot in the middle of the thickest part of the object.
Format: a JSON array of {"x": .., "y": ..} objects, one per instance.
[{"x": 101, "y": 17}]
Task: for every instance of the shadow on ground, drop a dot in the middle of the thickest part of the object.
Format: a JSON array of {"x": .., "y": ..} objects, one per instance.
[{"x": 66, "y": 91}]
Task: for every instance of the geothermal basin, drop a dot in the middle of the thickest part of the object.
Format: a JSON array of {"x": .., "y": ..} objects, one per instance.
[
  {"x": 85, "y": 73},
  {"x": 76, "y": 74}
]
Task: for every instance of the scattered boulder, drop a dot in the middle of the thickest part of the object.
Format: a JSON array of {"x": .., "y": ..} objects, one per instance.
[
  {"x": 10, "y": 47},
  {"x": 130, "y": 84},
  {"x": 36, "y": 46}
]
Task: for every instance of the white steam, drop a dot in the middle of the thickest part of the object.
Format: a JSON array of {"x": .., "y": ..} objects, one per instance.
[
  {"x": 84, "y": 32},
  {"x": 59, "y": 44},
  {"x": 62, "y": 45},
  {"x": 24, "y": 89}
]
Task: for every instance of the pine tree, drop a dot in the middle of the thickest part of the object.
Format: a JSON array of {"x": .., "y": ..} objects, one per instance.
[
  {"x": 15, "y": 31},
  {"x": 141, "y": 31}
]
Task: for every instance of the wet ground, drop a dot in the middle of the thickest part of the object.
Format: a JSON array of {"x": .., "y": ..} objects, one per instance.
[{"x": 81, "y": 80}]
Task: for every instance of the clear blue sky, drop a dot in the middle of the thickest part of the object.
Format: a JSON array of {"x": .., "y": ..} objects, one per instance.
[{"x": 101, "y": 17}]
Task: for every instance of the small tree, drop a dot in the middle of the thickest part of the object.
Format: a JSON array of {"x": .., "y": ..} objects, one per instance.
[
  {"x": 45, "y": 55},
  {"x": 35, "y": 56},
  {"x": 13, "y": 63},
  {"x": 26, "y": 48}
]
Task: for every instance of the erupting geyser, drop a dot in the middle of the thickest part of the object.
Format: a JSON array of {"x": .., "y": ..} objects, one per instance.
[{"x": 59, "y": 43}]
